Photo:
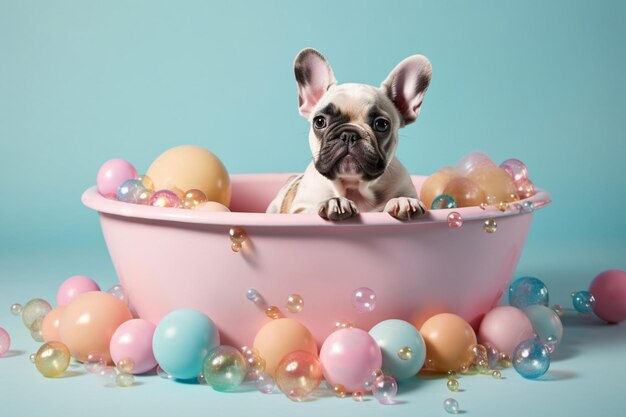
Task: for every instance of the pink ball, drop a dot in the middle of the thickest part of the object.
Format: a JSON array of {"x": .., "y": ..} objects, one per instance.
[
  {"x": 609, "y": 290},
  {"x": 73, "y": 287},
  {"x": 133, "y": 340},
  {"x": 505, "y": 327},
  {"x": 349, "y": 356},
  {"x": 112, "y": 174}
]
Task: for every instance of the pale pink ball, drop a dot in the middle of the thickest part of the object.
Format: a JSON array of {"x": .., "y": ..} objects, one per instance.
[
  {"x": 73, "y": 287},
  {"x": 609, "y": 290},
  {"x": 349, "y": 356},
  {"x": 112, "y": 174},
  {"x": 505, "y": 327},
  {"x": 133, "y": 340}
]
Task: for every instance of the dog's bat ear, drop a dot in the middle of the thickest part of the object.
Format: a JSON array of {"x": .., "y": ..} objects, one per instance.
[
  {"x": 314, "y": 76},
  {"x": 406, "y": 86}
]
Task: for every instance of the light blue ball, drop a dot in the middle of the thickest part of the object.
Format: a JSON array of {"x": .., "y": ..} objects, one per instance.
[
  {"x": 181, "y": 341},
  {"x": 393, "y": 335},
  {"x": 545, "y": 322}
]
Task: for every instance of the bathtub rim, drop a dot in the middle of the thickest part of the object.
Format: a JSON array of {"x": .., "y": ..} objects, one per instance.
[{"x": 93, "y": 200}]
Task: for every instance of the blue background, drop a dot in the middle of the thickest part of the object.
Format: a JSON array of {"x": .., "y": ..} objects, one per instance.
[{"x": 82, "y": 82}]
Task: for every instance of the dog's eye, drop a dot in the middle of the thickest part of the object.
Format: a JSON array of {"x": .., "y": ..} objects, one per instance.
[
  {"x": 319, "y": 122},
  {"x": 381, "y": 125}
]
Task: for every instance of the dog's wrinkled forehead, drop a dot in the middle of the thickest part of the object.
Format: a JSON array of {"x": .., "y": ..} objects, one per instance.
[{"x": 357, "y": 103}]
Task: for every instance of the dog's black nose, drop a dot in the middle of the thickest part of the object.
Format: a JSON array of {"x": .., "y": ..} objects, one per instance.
[{"x": 349, "y": 137}]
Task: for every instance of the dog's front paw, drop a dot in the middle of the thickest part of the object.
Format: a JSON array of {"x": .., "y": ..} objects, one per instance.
[
  {"x": 405, "y": 208},
  {"x": 337, "y": 208}
]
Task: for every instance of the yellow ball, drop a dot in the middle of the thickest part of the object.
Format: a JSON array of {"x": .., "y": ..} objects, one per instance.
[{"x": 191, "y": 167}]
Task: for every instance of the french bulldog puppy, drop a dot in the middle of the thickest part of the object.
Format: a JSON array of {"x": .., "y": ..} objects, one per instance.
[{"x": 353, "y": 138}]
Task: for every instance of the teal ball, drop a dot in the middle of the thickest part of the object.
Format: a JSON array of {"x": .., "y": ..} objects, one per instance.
[
  {"x": 182, "y": 340},
  {"x": 402, "y": 347}
]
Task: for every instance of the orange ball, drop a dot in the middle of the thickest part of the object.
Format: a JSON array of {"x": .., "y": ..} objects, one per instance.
[
  {"x": 496, "y": 182},
  {"x": 211, "y": 206},
  {"x": 89, "y": 321},
  {"x": 50, "y": 325},
  {"x": 282, "y": 336},
  {"x": 447, "y": 338},
  {"x": 434, "y": 185},
  {"x": 465, "y": 192},
  {"x": 191, "y": 167}
]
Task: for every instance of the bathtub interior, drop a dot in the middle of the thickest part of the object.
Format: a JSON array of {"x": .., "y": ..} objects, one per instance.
[{"x": 252, "y": 193}]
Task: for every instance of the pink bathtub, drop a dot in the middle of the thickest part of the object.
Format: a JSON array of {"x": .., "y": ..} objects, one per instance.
[{"x": 173, "y": 258}]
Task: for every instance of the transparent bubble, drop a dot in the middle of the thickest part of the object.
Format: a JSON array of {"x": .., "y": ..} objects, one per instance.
[
  {"x": 364, "y": 299},
  {"x": 451, "y": 406},
  {"x": 385, "y": 390},
  {"x": 265, "y": 383},
  {"x": 124, "y": 379},
  {"x": 357, "y": 396},
  {"x": 339, "y": 391},
  {"x": 134, "y": 192},
  {"x": 528, "y": 207},
  {"x": 531, "y": 359},
  {"x": 52, "y": 359},
  {"x": 295, "y": 303},
  {"x": 298, "y": 374},
  {"x": 33, "y": 310},
  {"x": 273, "y": 312},
  {"x": 94, "y": 362},
  {"x": 125, "y": 365},
  {"x": 237, "y": 235},
  {"x": 118, "y": 291},
  {"x": 405, "y": 353},
  {"x": 16, "y": 309},
  {"x": 107, "y": 376},
  {"x": 253, "y": 295},
  {"x": 375, "y": 376},
  {"x": 453, "y": 385},
  {"x": 146, "y": 181},
  {"x": 515, "y": 168},
  {"x": 496, "y": 374},
  {"x": 224, "y": 368},
  {"x": 455, "y": 220},
  {"x": 583, "y": 302},
  {"x": 36, "y": 330},
  {"x": 165, "y": 199},
  {"x": 490, "y": 226},
  {"x": 526, "y": 291},
  {"x": 192, "y": 198},
  {"x": 443, "y": 201},
  {"x": 558, "y": 309}
]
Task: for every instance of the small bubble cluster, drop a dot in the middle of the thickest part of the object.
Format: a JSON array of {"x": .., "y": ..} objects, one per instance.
[
  {"x": 385, "y": 390},
  {"x": 237, "y": 238}
]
